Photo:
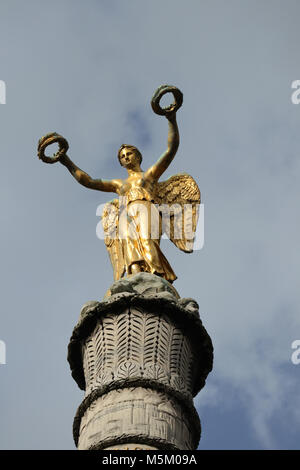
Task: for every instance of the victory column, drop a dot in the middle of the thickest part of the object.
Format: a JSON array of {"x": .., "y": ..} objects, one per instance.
[{"x": 141, "y": 353}]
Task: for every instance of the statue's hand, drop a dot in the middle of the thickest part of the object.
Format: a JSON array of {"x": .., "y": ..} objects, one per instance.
[
  {"x": 49, "y": 139},
  {"x": 171, "y": 115}
]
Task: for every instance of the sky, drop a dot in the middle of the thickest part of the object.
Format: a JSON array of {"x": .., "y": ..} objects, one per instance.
[{"x": 88, "y": 70}]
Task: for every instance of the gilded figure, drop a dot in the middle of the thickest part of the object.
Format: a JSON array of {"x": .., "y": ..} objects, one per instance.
[{"x": 146, "y": 208}]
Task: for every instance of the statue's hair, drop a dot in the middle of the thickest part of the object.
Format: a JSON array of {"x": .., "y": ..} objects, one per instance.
[{"x": 130, "y": 147}]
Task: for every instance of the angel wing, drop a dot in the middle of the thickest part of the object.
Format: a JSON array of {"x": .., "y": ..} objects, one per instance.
[
  {"x": 110, "y": 222},
  {"x": 179, "y": 198}
]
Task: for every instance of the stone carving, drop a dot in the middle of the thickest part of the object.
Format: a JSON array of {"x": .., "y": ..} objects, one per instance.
[
  {"x": 145, "y": 339},
  {"x": 136, "y": 415},
  {"x": 135, "y": 344},
  {"x": 142, "y": 283}
]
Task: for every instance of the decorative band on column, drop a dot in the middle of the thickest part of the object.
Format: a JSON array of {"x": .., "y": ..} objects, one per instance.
[
  {"x": 186, "y": 405},
  {"x": 138, "y": 415}
]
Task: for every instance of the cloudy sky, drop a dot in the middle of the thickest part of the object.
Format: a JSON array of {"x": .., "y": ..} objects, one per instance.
[{"x": 88, "y": 70}]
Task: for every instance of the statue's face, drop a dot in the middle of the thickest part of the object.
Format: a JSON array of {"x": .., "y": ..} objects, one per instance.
[{"x": 129, "y": 158}]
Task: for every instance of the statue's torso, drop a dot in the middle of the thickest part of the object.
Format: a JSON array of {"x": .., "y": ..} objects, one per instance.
[{"x": 137, "y": 187}]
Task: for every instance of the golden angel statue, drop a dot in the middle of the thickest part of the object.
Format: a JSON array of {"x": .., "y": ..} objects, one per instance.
[{"x": 134, "y": 223}]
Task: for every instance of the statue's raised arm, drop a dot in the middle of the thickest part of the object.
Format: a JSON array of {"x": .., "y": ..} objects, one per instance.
[
  {"x": 169, "y": 112},
  {"x": 81, "y": 176}
]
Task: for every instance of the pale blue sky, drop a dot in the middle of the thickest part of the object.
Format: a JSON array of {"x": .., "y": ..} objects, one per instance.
[{"x": 88, "y": 70}]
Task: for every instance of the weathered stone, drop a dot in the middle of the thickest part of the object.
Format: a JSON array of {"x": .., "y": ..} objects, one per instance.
[
  {"x": 142, "y": 283},
  {"x": 141, "y": 352},
  {"x": 136, "y": 415}
]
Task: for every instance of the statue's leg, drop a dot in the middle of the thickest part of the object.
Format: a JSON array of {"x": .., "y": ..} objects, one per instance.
[{"x": 146, "y": 227}]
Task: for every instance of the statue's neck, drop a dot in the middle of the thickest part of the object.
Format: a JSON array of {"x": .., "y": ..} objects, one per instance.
[{"x": 132, "y": 172}]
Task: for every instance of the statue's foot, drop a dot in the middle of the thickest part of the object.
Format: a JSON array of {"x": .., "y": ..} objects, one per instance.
[{"x": 136, "y": 268}]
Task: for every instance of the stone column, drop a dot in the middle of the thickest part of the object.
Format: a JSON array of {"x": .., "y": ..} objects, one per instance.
[{"x": 141, "y": 355}]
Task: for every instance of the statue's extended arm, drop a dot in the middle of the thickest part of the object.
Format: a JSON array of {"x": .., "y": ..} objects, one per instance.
[
  {"x": 164, "y": 161},
  {"x": 84, "y": 179}
]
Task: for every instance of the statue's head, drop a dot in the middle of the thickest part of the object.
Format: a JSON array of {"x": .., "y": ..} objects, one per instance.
[{"x": 129, "y": 156}]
